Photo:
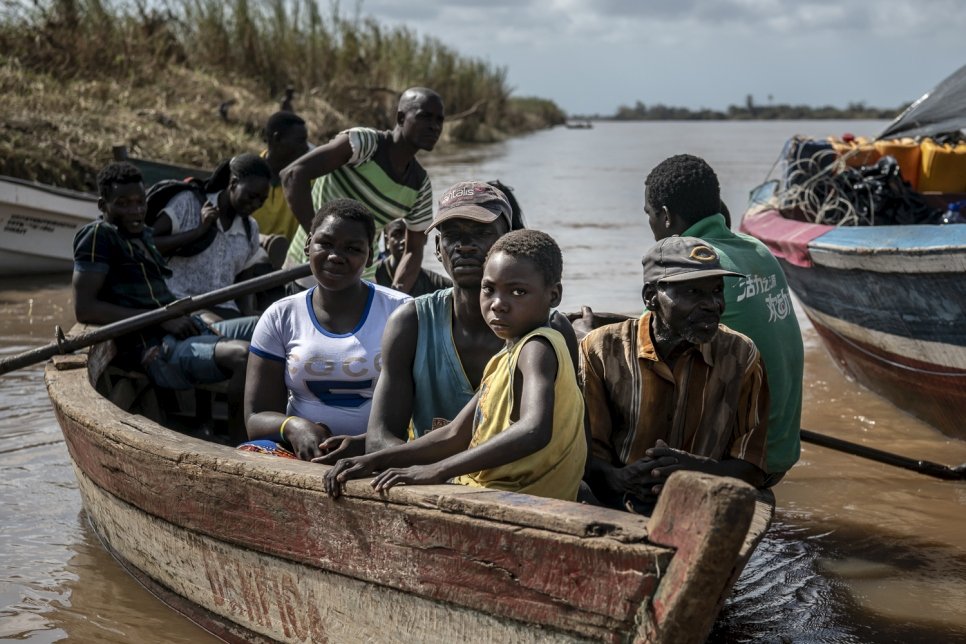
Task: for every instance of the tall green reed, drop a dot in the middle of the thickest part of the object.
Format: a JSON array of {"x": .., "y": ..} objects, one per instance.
[{"x": 358, "y": 65}]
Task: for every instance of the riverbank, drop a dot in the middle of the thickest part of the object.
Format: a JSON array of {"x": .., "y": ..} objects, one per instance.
[{"x": 193, "y": 83}]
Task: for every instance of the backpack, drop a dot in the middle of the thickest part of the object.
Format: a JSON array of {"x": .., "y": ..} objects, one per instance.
[{"x": 158, "y": 196}]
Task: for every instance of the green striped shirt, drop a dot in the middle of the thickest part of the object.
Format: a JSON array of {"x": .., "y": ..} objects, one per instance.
[{"x": 368, "y": 178}]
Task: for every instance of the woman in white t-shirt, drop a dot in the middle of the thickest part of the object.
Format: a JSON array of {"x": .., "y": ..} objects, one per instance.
[{"x": 315, "y": 356}]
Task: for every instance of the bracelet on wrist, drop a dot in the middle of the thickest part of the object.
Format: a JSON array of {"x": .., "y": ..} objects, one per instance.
[{"x": 281, "y": 429}]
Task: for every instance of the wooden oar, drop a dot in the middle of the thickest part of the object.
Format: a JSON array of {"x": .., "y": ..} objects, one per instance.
[
  {"x": 180, "y": 307},
  {"x": 928, "y": 468}
]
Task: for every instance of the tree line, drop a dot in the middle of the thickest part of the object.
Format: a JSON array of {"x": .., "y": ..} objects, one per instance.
[{"x": 749, "y": 111}]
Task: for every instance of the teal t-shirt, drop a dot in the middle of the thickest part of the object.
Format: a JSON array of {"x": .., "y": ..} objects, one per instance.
[{"x": 760, "y": 306}]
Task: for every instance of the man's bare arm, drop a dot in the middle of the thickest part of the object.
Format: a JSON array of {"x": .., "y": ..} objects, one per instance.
[
  {"x": 411, "y": 262},
  {"x": 297, "y": 177},
  {"x": 392, "y": 401},
  {"x": 90, "y": 309}
]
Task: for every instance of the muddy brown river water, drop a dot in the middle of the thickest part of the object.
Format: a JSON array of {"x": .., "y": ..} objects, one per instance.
[{"x": 859, "y": 552}]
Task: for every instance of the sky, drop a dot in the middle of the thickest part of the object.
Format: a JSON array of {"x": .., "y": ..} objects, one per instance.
[{"x": 593, "y": 56}]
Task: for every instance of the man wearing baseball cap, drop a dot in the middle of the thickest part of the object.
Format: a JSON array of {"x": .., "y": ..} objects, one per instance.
[
  {"x": 682, "y": 196},
  {"x": 435, "y": 347},
  {"x": 673, "y": 389}
]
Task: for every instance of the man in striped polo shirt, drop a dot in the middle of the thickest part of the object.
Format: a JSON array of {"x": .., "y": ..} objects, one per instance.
[{"x": 378, "y": 169}]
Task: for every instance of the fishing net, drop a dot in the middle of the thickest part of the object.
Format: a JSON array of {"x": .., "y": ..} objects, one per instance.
[{"x": 821, "y": 186}]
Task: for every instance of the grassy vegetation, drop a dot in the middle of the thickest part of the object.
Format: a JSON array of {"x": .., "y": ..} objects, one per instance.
[{"x": 79, "y": 76}]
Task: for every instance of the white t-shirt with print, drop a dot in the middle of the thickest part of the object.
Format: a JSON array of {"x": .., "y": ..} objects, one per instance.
[{"x": 330, "y": 377}]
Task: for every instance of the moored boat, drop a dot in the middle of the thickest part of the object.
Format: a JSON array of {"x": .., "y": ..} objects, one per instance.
[
  {"x": 154, "y": 171},
  {"x": 889, "y": 301},
  {"x": 37, "y": 226},
  {"x": 250, "y": 547}
]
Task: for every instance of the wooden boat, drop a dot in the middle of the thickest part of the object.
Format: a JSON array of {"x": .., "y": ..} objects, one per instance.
[
  {"x": 154, "y": 171},
  {"x": 250, "y": 547},
  {"x": 578, "y": 125},
  {"x": 889, "y": 301},
  {"x": 37, "y": 226}
]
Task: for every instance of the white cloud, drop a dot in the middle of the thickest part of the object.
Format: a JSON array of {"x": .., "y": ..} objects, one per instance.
[{"x": 591, "y": 56}]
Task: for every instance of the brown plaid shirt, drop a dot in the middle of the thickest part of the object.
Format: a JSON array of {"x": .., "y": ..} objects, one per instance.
[{"x": 714, "y": 403}]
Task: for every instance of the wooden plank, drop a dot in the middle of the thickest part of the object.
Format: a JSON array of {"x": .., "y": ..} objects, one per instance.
[
  {"x": 551, "y": 514},
  {"x": 708, "y": 539},
  {"x": 69, "y": 361}
]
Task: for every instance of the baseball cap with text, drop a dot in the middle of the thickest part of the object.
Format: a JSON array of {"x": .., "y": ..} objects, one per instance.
[
  {"x": 473, "y": 200},
  {"x": 679, "y": 259}
]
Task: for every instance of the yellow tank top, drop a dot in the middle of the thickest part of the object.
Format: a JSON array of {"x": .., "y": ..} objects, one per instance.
[
  {"x": 553, "y": 471},
  {"x": 275, "y": 217}
]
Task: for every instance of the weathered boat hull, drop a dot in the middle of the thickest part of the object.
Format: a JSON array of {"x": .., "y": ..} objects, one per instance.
[
  {"x": 250, "y": 547},
  {"x": 889, "y": 303},
  {"x": 37, "y": 226}
]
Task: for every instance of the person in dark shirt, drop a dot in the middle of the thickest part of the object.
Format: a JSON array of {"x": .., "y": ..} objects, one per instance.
[
  {"x": 119, "y": 273},
  {"x": 394, "y": 239}
]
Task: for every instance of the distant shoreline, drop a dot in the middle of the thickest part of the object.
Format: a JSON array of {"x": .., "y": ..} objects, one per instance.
[{"x": 748, "y": 112}]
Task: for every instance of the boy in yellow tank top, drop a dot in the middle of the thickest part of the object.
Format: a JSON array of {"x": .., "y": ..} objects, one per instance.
[{"x": 523, "y": 431}]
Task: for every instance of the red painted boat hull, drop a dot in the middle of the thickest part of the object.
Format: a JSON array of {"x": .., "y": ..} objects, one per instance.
[{"x": 922, "y": 389}]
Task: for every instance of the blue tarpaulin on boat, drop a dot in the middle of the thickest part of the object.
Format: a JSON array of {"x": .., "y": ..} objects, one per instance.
[{"x": 939, "y": 111}]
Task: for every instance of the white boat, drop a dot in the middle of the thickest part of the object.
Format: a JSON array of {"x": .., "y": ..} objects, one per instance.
[{"x": 37, "y": 226}]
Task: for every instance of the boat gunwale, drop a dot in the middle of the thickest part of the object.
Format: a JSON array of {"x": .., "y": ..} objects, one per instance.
[
  {"x": 47, "y": 188},
  {"x": 825, "y": 242},
  {"x": 181, "y": 448}
]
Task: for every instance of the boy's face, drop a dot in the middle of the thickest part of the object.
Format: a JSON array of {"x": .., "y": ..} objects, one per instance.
[
  {"x": 125, "y": 207},
  {"x": 396, "y": 240},
  {"x": 515, "y": 298}
]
